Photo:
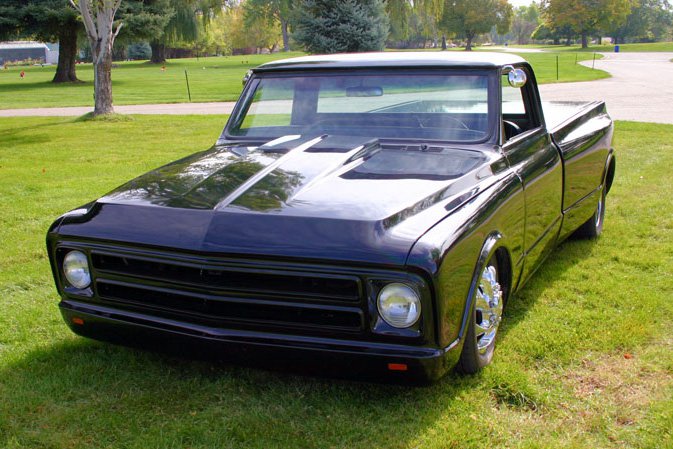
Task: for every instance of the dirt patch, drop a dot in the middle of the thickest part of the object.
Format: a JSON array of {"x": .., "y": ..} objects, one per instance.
[{"x": 625, "y": 384}]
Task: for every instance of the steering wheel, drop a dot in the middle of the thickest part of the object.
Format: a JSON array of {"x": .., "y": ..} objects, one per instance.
[
  {"x": 511, "y": 129},
  {"x": 424, "y": 122}
]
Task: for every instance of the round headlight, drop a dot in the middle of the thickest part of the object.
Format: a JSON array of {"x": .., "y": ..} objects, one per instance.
[
  {"x": 399, "y": 305},
  {"x": 76, "y": 269}
]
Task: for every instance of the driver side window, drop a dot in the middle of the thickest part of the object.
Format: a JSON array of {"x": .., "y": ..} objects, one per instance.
[{"x": 517, "y": 111}]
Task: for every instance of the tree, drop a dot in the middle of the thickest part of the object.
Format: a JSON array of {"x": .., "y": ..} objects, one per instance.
[
  {"x": 399, "y": 14},
  {"x": 413, "y": 22},
  {"x": 544, "y": 32},
  {"x": 144, "y": 20},
  {"x": 181, "y": 22},
  {"x": 181, "y": 25},
  {"x": 649, "y": 21},
  {"x": 470, "y": 18},
  {"x": 428, "y": 15},
  {"x": 333, "y": 26},
  {"x": 246, "y": 32},
  {"x": 98, "y": 17},
  {"x": 273, "y": 12},
  {"x": 46, "y": 20},
  {"x": 586, "y": 16},
  {"x": 525, "y": 22}
]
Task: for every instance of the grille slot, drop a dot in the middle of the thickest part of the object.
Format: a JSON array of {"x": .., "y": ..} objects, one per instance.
[
  {"x": 229, "y": 310},
  {"x": 234, "y": 280}
]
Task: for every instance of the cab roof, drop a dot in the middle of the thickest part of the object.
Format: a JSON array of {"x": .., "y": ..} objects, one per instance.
[{"x": 453, "y": 59}]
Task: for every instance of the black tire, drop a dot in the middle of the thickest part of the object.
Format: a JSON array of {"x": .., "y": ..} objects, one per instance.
[
  {"x": 593, "y": 227},
  {"x": 477, "y": 352}
]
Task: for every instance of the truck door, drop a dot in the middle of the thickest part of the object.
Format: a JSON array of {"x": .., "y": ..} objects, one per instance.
[{"x": 531, "y": 153}]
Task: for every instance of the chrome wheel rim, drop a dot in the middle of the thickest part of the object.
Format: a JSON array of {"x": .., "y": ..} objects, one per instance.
[
  {"x": 599, "y": 212},
  {"x": 488, "y": 309}
]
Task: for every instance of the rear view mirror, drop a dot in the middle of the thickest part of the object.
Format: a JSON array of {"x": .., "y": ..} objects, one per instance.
[{"x": 364, "y": 91}]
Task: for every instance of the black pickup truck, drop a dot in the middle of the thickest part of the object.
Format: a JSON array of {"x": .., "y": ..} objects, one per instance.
[{"x": 365, "y": 213}]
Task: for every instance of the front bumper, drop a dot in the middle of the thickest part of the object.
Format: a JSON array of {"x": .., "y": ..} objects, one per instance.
[{"x": 315, "y": 355}]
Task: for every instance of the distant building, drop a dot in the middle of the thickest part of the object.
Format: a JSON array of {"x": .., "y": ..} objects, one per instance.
[{"x": 23, "y": 50}]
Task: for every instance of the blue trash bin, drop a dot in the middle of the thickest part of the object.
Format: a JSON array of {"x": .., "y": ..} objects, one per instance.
[{"x": 616, "y": 48}]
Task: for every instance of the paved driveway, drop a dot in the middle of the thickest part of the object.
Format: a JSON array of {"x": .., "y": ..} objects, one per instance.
[
  {"x": 151, "y": 109},
  {"x": 641, "y": 87}
]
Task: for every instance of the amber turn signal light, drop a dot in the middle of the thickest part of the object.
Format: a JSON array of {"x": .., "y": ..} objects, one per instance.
[{"x": 398, "y": 367}]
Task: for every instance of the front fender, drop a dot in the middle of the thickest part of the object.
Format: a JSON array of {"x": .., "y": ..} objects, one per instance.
[{"x": 451, "y": 252}]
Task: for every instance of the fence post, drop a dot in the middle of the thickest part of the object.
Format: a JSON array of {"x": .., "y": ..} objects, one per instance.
[
  {"x": 556, "y": 67},
  {"x": 189, "y": 93}
]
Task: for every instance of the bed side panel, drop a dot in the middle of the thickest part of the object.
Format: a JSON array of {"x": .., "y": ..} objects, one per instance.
[{"x": 584, "y": 141}]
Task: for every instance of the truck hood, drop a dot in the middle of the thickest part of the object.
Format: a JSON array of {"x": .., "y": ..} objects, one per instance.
[{"x": 325, "y": 197}]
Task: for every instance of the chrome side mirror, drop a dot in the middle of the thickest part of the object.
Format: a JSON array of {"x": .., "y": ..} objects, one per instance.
[
  {"x": 516, "y": 77},
  {"x": 247, "y": 77}
]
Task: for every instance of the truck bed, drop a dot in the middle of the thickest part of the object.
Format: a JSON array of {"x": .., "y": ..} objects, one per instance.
[
  {"x": 559, "y": 114},
  {"x": 569, "y": 122},
  {"x": 583, "y": 134}
]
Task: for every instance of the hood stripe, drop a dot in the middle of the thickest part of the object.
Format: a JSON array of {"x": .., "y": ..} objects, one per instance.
[{"x": 263, "y": 173}]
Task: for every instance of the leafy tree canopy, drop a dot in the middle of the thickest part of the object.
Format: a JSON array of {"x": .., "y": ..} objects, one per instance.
[
  {"x": 650, "y": 20},
  {"x": 45, "y": 20},
  {"x": 586, "y": 16},
  {"x": 273, "y": 12},
  {"x": 334, "y": 26},
  {"x": 526, "y": 21},
  {"x": 144, "y": 20},
  {"x": 470, "y": 18}
]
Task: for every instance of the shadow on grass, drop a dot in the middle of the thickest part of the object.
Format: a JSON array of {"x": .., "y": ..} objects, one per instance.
[
  {"x": 15, "y": 137},
  {"x": 30, "y": 86},
  {"x": 562, "y": 258},
  {"x": 87, "y": 391},
  {"x": 87, "y": 394}
]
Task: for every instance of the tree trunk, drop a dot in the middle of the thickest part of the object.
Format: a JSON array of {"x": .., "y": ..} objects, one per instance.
[
  {"x": 468, "y": 47},
  {"x": 585, "y": 40},
  {"x": 103, "y": 86},
  {"x": 286, "y": 34},
  {"x": 158, "y": 53},
  {"x": 98, "y": 18},
  {"x": 67, "y": 55}
]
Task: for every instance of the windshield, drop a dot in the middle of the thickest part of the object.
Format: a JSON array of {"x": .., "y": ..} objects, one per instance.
[{"x": 382, "y": 105}]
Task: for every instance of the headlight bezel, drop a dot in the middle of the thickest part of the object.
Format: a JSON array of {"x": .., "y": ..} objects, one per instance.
[
  {"x": 385, "y": 298},
  {"x": 420, "y": 330},
  {"x": 64, "y": 283}
]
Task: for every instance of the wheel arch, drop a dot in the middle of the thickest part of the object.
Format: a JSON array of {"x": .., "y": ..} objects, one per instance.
[
  {"x": 611, "y": 167},
  {"x": 494, "y": 246},
  {"x": 452, "y": 251}
]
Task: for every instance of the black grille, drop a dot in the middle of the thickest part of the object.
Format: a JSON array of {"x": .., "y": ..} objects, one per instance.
[
  {"x": 219, "y": 294},
  {"x": 235, "y": 280}
]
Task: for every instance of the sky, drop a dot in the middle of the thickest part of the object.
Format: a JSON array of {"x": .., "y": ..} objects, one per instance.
[{"x": 516, "y": 3}]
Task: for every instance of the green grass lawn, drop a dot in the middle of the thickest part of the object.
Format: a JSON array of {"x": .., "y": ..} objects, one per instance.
[
  {"x": 647, "y": 47},
  {"x": 210, "y": 79},
  {"x": 569, "y": 69},
  {"x": 585, "y": 358}
]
